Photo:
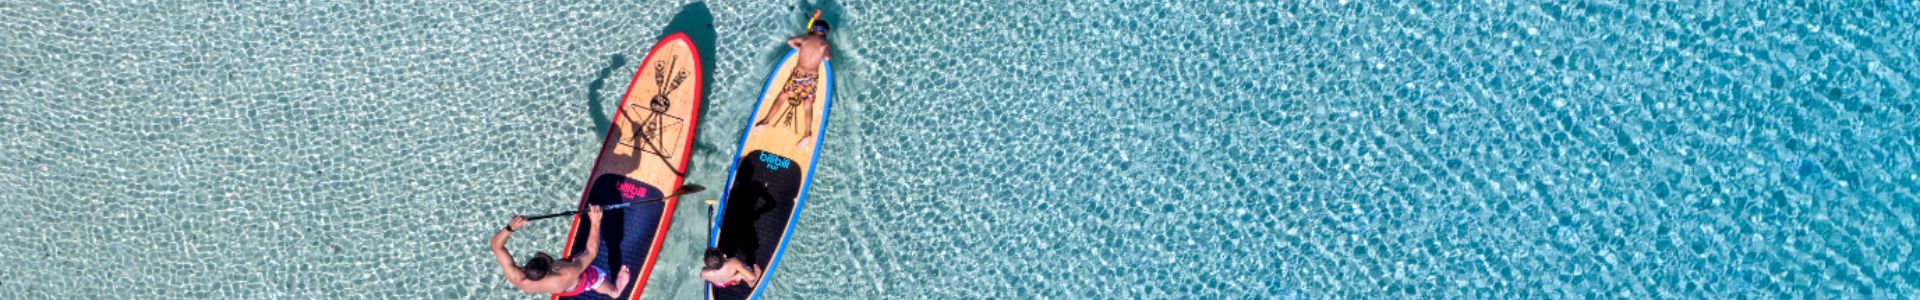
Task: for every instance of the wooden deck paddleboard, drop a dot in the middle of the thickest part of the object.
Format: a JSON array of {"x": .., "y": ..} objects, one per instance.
[
  {"x": 644, "y": 156},
  {"x": 768, "y": 181}
]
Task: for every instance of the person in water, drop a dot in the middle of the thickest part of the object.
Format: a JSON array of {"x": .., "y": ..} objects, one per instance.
[
  {"x": 568, "y": 277},
  {"x": 723, "y": 271},
  {"x": 798, "y": 93}
]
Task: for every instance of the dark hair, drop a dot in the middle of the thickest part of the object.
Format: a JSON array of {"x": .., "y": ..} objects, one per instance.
[
  {"x": 714, "y": 259},
  {"x": 538, "y": 266},
  {"x": 819, "y": 26}
]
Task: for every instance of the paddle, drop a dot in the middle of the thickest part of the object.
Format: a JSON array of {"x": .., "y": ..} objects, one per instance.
[{"x": 684, "y": 190}]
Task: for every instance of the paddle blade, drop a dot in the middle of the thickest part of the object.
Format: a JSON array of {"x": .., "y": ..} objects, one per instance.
[{"x": 689, "y": 189}]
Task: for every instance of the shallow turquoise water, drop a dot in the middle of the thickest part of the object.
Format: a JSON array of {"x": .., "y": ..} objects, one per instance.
[{"x": 1009, "y": 150}]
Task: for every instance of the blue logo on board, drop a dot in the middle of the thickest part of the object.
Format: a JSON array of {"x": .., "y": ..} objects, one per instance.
[{"x": 774, "y": 162}]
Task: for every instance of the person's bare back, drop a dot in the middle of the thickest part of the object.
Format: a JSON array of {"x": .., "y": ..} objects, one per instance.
[{"x": 813, "y": 49}]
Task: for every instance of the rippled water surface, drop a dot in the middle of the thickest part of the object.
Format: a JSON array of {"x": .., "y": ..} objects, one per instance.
[{"x": 1639, "y": 149}]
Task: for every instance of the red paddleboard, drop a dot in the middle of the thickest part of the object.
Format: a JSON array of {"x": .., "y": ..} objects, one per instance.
[{"x": 644, "y": 156}]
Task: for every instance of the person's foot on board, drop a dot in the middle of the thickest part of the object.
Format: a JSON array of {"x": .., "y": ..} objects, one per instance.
[{"x": 804, "y": 144}]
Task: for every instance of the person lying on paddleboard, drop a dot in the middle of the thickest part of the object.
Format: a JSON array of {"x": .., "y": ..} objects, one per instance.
[
  {"x": 798, "y": 92},
  {"x": 544, "y": 275},
  {"x": 723, "y": 271}
]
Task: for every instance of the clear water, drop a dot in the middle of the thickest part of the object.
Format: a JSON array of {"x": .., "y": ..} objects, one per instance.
[{"x": 1638, "y": 149}]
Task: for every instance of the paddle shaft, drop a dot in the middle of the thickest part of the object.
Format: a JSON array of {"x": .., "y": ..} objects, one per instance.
[
  {"x": 603, "y": 208},
  {"x": 688, "y": 189}
]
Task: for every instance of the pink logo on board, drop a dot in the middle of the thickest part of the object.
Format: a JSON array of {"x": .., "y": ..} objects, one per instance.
[{"x": 629, "y": 191}]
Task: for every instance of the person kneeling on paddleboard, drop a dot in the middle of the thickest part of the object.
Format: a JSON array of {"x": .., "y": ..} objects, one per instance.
[
  {"x": 723, "y": 271},
  {"x": 798, "y": 94},
  {"x": 568, "y": 277}
]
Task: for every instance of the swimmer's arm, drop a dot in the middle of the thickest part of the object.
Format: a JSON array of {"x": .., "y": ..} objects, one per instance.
[
  {"x": 793, "y": 42},
  {"x": 750, "y": 275},
  {"x": 593, "y": 247},
  {"x": 505, "y": 259},
  {"x": 593, "y": 238}
]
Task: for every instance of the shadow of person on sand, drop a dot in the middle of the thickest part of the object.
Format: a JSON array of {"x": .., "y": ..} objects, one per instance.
[
  {"x": 696, "y": 21},
  {"x": 600, "y": 119},
  {"x": 605, "y": 123}
]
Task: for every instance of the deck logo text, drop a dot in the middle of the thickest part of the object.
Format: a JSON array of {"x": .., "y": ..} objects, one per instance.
[{"x": 774, "y": 162}]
